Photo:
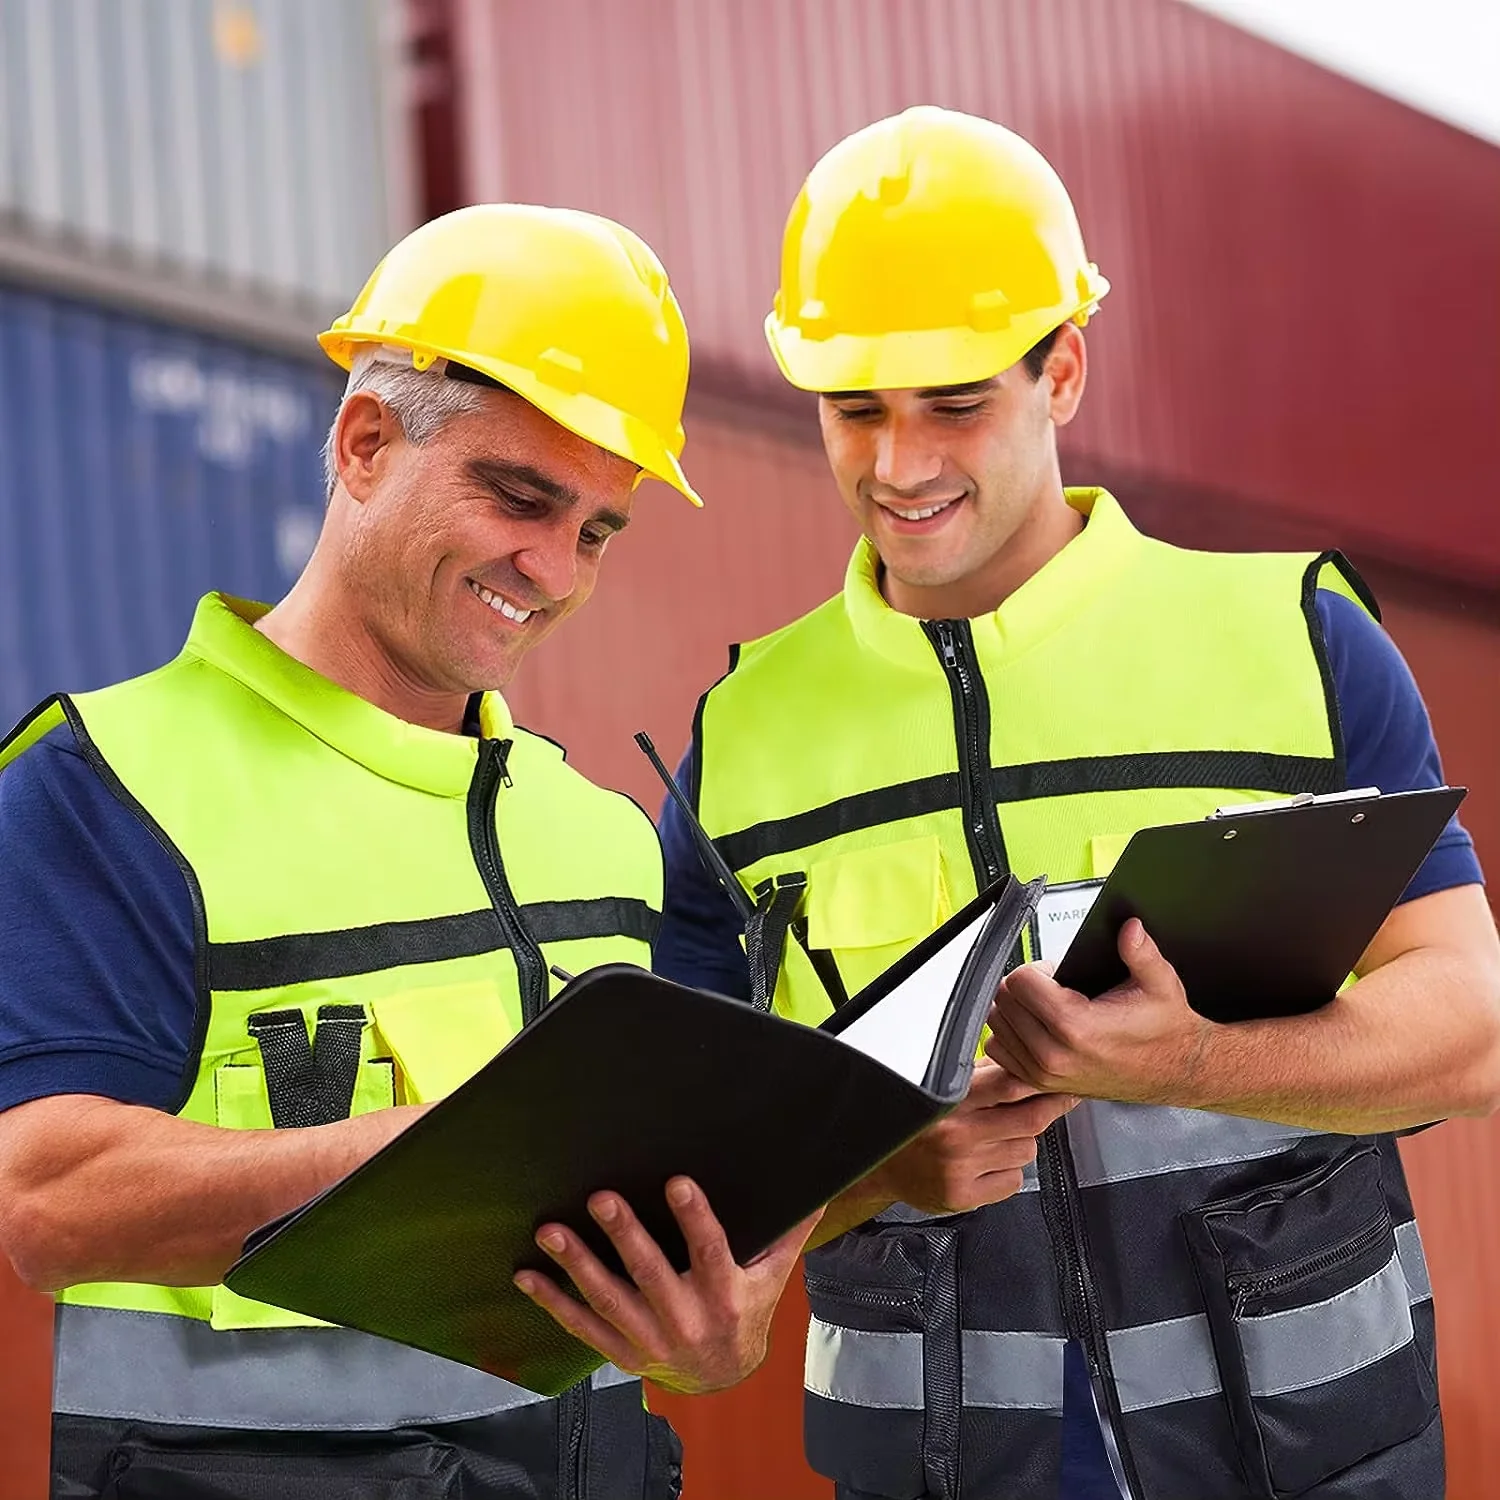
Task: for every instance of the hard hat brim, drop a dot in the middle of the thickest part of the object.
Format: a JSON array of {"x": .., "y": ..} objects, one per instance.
[
  {"x": 913, "y": 359},
  {"x": 596, "y": 421}
]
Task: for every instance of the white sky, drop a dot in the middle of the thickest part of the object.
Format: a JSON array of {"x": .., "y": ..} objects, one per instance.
[{"x": 1441, "y": 56}]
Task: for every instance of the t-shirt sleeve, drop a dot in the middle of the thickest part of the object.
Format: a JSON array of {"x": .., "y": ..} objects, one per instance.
[
  {"x": 699, "y": 939},
  {"x": 1388, "y": 739},
  {"x": 97, "y": 992}
]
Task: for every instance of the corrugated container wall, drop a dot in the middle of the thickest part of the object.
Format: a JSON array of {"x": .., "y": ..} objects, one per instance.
[
  {"x": 241, "y": 141},
  {"x": 1299, "y": 351},
  {"x": 1305, "y": 299},
  {"x": 143, "y": 465}
]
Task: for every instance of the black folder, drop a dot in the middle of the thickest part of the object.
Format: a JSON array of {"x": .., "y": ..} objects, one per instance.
[
  {"x": 624, "y": 1081},
  {"x": 1264, "y": 909}
]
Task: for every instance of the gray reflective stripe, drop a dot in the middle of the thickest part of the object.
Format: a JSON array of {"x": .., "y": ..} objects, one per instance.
[
  {"x": 1158, "y": 1363},
  {"x": 1008, "y": 1371},
  {"x": 1289, "y": 1351},
  {"x": 864, "y": 1368},
  {"x": 1115, "y": 1142},
  {"x": 154, "y": 1367},
  {"x": 1413, "y": 1261},
  {"x": 1154, "y": 1364},
  {"x": 1016, "y": 1371}
]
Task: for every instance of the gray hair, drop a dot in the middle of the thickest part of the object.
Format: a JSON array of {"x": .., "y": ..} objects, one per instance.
[{"x": 422, "y": 401}]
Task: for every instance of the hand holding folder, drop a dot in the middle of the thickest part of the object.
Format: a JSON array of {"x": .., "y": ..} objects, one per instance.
[{"x": 624, "y": 1081}]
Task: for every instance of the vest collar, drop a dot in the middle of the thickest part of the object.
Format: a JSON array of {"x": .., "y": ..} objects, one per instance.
[
  {"x": 1048, "y": 599},
  {"x": 223, "y": 635}
]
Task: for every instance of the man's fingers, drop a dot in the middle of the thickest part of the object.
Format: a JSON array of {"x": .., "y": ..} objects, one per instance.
[
  {"x": 708, "y": 1249},
  {"x": 579, "y": 1320},
  {"x": 642, "y": 1257},
  {"x": 778, "y": 1258},
  {"x": 613, "y": 1300},
  {"x": 1005, "y": 1087},
  {"x": 1148, "y": 968}
]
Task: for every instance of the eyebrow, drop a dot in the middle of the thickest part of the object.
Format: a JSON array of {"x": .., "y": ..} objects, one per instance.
[
  {"x": 502, "y": 478},
  {"x": 927, "y": 393}
]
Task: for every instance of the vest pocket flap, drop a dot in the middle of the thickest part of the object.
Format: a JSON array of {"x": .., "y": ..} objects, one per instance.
[
  {"x": 1310, "y": 1312},
  {"x": 441, "y": 1036},
  {"x": 869, "y": 898}
]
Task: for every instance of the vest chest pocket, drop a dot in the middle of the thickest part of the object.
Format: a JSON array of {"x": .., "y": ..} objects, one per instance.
[{"x": 869, "y": 906}]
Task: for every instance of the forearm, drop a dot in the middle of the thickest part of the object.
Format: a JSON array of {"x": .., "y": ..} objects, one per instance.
[
  {"x": 1417, "y": 1040},
  {"x": 129, "y": 1194}
]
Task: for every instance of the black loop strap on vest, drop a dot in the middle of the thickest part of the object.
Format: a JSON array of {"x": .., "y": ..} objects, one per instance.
[
  {"x": 309, "y": 1085},
  {"x": 776, "y": 901}
]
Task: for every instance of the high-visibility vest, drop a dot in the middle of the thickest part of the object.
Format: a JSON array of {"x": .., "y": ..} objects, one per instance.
[
  {"x": 864, "y": 773},
  {"x": 376, "y": 907}
]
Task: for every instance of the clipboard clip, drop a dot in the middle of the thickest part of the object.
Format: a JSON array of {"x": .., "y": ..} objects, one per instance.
[{"x": 1302, "y": 799}]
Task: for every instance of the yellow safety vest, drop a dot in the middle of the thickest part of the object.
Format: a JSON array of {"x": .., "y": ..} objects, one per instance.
[
  {"x": 864, "y": 773},
  {"x": 382, "y": 897}
]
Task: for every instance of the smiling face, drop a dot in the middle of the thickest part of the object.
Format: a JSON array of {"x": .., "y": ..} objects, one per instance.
[
  {"x": 468, "y": 549},
  {"x": 957, "y": 487}
]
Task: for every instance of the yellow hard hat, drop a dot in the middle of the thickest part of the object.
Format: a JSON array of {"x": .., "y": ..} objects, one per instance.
[
  {"x": 570, "y": 310},
  {"x": 930, "y": 248}
]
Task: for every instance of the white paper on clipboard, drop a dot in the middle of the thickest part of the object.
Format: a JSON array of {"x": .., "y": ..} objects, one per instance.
[{"x": 1059, "y": 914}]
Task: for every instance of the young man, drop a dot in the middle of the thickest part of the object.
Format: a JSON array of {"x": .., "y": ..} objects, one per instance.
[
  {"x": 310, "y": 874},
  {"x": 1014, "y": 678}
]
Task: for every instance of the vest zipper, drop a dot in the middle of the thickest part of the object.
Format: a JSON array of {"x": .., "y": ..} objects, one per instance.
[
  {"x": 953, "y": 640},
  {"x": 1063, "y": 1213},
  {"x": 573, "y": 1425},
  {"x": 1251, "y": 1286},
  {"x": 484, "y": 841}
]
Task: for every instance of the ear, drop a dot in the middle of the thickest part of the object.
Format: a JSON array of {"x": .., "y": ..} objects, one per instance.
[
  {"x": 363, "y": 436},
  {"x": 1067, "y": 370}
]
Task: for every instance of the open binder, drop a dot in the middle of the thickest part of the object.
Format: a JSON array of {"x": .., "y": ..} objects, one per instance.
[
  {"x": 1263, "y": 909},
  {"x": 624, "y": 1081}
]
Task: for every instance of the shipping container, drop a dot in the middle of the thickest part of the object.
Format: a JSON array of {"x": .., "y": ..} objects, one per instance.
[
  {"x": 252, "y": 144},
  {"x": 1305, "y": 307},
  {"x": 141, "y": 465},
  {"x": 771, "y": 542}
]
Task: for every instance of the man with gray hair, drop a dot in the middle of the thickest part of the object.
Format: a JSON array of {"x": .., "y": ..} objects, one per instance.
[{"x": 260, "y": 908}]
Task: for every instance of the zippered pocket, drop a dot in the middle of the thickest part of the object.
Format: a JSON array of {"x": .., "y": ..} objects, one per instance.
[{"x": 1310, "y": 1316}]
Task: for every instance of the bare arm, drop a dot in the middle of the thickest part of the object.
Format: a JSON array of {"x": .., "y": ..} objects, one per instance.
[
  {"x": 94, "y": 1190},
  {"x": 1415, "y": 1039}
]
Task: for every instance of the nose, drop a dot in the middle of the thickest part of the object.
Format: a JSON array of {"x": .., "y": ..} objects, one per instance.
[
  {"x": 902, "y": 462},
  {"x": 550, "y": 564}
]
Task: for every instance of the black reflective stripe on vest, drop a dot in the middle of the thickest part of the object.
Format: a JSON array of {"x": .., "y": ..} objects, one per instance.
[
  {"x": 297, "y": 957},
  {"x": 1241, "y": 770}
]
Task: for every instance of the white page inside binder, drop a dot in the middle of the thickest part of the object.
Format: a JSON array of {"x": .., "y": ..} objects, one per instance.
[{"x": 901, "y": 1031}]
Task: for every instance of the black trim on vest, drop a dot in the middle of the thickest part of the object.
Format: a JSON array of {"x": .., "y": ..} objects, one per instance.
[
  {"x": 25, "y": 723},
  {"x": 694, "y": 789},
  {"x": 297, "y": 957},
  {"x": 1316, "y": 635},
  {"x": 1243, "y": 770},
  {"x": 201, "y": 989},
  {"x": 309, "y": 1085}
]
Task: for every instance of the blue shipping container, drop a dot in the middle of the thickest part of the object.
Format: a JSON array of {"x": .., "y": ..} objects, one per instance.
[{"x": 141, "y": 465}]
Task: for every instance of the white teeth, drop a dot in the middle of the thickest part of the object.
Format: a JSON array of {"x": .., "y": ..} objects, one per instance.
[
  {"x": 499, "y": 605},
  {"x": 919, "y": 515}
]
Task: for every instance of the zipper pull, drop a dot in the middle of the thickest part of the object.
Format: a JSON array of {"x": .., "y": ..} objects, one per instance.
[
  {"x": 502, "y": 750},
  {"x": 947, "y": 644}
]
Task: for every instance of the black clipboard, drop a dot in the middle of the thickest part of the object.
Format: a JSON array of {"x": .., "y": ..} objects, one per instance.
[
  {"x": 1264, "y": 909},
  {"x": 624, "y": 1081}
]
